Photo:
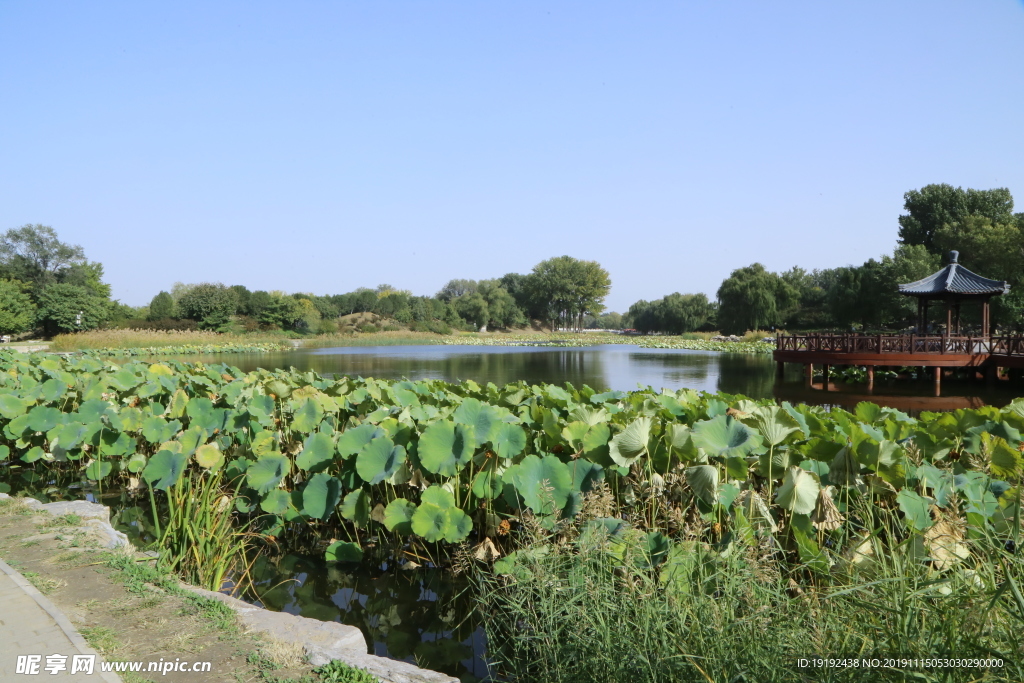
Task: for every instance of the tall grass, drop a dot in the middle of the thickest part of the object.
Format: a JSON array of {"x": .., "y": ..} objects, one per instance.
[
  {"x": 200, "y": 541},
  {"x": 583, "y": 613},
  {"x": 128, "y": 339}
]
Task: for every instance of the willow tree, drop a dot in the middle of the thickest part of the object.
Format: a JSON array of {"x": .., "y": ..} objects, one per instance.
[{"x": 752, "y": 298}]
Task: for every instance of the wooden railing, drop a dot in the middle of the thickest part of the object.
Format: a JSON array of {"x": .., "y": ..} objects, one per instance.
[{"x": 901, "y": 343}]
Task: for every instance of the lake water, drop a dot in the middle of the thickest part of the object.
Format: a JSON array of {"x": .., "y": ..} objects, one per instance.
[{"x": 615, "y": 366}]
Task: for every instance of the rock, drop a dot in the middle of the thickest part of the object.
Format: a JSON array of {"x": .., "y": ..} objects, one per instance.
[
  {"x": 324, "y": 641},
  {"x": 95, "y": 516}
]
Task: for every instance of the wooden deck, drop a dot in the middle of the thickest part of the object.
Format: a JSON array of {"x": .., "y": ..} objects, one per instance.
[{"x": 985, "y": 354}]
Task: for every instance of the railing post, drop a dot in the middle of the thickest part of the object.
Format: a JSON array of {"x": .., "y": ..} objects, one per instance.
[{"x": 912, "y": 344}]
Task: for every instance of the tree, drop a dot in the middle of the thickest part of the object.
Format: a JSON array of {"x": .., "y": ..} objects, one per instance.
[
  {"x": 68, "y": 308},
  {"x": 209, "y": 304},
  {"x": 17, "y": 312},
  {"x": 933, "y": 206},
  {"x": 564, "y": 290},
  {"x": 473, "y": 309},
  {"x": 161, "y": 307},
  {"x": 34, "y": 254},
  {"x": 752, "y": 298},
  {"x": 675, "y": 314},
  {"x": 456, "y": 288}
]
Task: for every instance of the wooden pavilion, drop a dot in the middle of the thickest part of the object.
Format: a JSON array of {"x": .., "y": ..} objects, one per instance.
[{"x": 953, "y": 285}]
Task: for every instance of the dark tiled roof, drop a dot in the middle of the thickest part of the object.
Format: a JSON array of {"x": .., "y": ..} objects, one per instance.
[{"x": 954, "y": 279}]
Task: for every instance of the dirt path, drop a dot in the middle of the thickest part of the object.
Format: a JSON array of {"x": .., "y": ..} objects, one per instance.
[{"x": 130, "y": 613}]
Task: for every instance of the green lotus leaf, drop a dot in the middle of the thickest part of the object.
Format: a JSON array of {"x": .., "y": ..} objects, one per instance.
[
  {"x": 915, "y": 510},
  {"x": 435, "y": 524},
  {"x": 799, "y": 492},
  {"x": 136, "y": 462},
  {"x": 307, "y": 416},
  {"x": 446, "y": 447},
  {"x": 1006, "y": 461},
  {"x": 164, "y": 469},
  {"x": 5, "y": 452},
  {"x": 585, "y": 474},
  {"x": 263, "y": 443},
  {"x": 703, "y": 479},
  {"x": 276, "y": 502},
  {"x": 98, "y": 469},
  {"x": 655, "y": 547},
  {"x": 92, "y": 411},
  {"x": 398, "y": 516},
  {"x": 487, "y": 484},
  {"x": 178, "y": 404},
  {"x": 574, "y": 432},
  {"x": 508, "y": 440},
  {"x": 320, "y": 496},
  {"x": 479, "y": 417},
  {"x": 343, "y": 551},
  {"x": 724, "y": 437},
  {"x": 544, "y": 484},
  {"x": 11, "y": 406},
  {"x": 209, "y": 457},
  {"x": 191, "y": 439},
  {"x": 262, "y": 409},
  {"x": 773, "y": 423},
  {"x": 317, "y": 451},
  {"x": 123, "y": 380},
  {"x": 353, "y": 440},
  {"x": 201, "y": 413},
  {"x": 69, "y": 436},
  {"x": 52, "y": 390},
  {"x": 44, "y": 418},
  {"x": 33, "y": 454},
  {"x": 378, "y": 460},
  {"x": 356, "y": 507},
  {"x": 266, "y": 473},
  {"x": 628, "y": 445}
]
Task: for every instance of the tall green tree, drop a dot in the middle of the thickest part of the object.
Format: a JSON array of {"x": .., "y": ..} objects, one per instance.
[
  {"x": 209, "y": 304},
  {"x": 934, "y": 206},
  {"x": 34, "y": 254},
  {"x": 64, "y": 307},
  {"x": 753, "y": 298},
  {"x": 17, "y": 312},
  {"x": 161, "y": 307},
  {"x": 567, "y": 289}
]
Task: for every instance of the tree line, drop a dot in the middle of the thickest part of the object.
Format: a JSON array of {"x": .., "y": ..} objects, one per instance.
[{"x": 980, "y": 224}]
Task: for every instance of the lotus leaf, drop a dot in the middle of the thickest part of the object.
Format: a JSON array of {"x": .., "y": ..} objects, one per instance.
[
  {"x": 307, "y": 416},
  {"x": 317, "y": 452},
  {"x": 353, "y": 440},
  {"x": 52, "y": 390},
  {"x": 628, "y": 445},
  {"x": 703, "y": 479},
  {"x": 356, "y": 507},
  {"x": 725, "y": 437},
  {"x": 445, "y": 447},
  {"x": 98, "y": 469},
  {"x": 398, "y": 516},
  {"x": 191, "y": 439},
  {"x": 438, "y": 519},
  {"x": 44, "y": 418},
  {"x": 479, "y": 417},
  {"x": 799, "y": 491},
  {"x": 276, "y": 502},
  {"x": 508, "y": 440},
  {"x": 164, "y": 469},
  {"x": 33, "y": 454},
  {"x": 915, "y": 510},
  {"x": 266, "y": 473},
  {"x": 11, "y": 406},
  {"x": 343, "y": 551},
  {"x": 209, "y": 457},
  {"x": 379, "y": 460},
  {"x": 5, "y": 452},
  {"x": 543, "y": 483}
]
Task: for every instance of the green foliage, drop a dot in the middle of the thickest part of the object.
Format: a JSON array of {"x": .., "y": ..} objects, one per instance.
[
  {"x": 17, "y": 312},
  {"x": 675, "y": 314},
  {"x": 69, "y": 308},
  {"x": 337, "y": 671},
  {"x": 753, "y": 298},
  {"x": 161, "y": 307},
  {"x": 935, "y": 206},
  {"x": 212, "y": 305}
]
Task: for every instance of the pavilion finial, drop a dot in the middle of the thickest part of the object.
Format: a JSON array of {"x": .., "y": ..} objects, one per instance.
[{"x": 953, "y": 256}]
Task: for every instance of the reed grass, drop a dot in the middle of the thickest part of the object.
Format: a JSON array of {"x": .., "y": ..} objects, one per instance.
[
  {"x": 129, "y": 339},
  {"x": 200, "y": 541},
  {"x": 578, "y": 612}
]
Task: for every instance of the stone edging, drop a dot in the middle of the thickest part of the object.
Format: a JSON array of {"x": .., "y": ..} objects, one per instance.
[
  {"x": 62, "y": 621},
  {"x": 321, "y": 640}
]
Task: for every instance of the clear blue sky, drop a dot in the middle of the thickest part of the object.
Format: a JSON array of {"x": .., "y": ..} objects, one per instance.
[{"x": 322, "y": 146}]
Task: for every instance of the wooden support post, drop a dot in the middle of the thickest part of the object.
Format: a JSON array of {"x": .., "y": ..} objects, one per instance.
[
  {"x": 938, "y": 381},
  {"x": 871, "y": 377},
  {"x": 809, "y": 374},
  {"x": 824, "y": 376}
]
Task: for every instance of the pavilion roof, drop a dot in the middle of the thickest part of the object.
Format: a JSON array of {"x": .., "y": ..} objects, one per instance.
[{"x": 954, "y": 279}]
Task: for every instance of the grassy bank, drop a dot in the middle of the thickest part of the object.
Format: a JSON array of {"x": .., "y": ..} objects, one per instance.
[{"x": 155, "y": 339}]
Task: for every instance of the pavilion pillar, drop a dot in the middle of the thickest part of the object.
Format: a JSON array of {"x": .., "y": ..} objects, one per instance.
[
  {"x": 984, "y": 319},
  {"x": 824, "y": 376},
  {"x": 924, "y": 318},
  {"x": 809, "y": 374},
  {"x": 871, "y": 377},
  {"x": 938, "y": 380},
  {"x": 949, "y": 319},
  {"x": 958, "y": 317}
]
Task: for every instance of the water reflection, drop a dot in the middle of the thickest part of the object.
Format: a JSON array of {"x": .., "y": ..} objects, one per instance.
[{"x": 423, "y": 616}]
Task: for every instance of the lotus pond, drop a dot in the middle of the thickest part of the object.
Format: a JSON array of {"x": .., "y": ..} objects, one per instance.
[{"x": 343, "y": 478}]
